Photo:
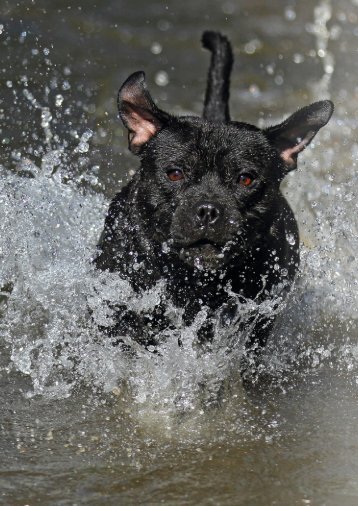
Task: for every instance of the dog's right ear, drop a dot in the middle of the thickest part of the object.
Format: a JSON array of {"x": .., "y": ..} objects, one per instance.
[{"x": 138, "y": 112}]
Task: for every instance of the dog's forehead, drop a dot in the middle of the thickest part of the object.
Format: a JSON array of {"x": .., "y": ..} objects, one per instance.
[{"x": 194, "y": 140}]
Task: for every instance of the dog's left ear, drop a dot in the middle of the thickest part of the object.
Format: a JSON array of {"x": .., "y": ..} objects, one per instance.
[
  {"x": 296, "y": 132},
  {"x": 138, "y": 112}
]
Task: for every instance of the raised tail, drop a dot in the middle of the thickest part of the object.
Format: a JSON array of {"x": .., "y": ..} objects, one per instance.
[{"x": 216, "y": 105}]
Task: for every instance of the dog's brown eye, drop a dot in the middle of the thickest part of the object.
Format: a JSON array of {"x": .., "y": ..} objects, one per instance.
[
  {"x": 175, "y": 174},
  {"x": 245, "y": 179}
]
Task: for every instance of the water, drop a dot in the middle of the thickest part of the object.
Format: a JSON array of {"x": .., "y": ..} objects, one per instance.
[{"x": 81, "y": 421}]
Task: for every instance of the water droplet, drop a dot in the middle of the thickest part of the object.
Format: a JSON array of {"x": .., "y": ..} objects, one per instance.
[
  {"x": 83, "y": 145},
  {"x": 290, "y": 13},
  {"x": 254, "y": 90},
  {"x": 198, "y": 263},
  {"x": 16, "y": 155},
  {"x": 161, "y": 78},
  {"x": 290, "y": 238},
  {"x": 156, "y": 48},
  {"x": 46, "y": 117},
  {"x": 252, "y": 46},
  {"x": 58, "y": 100},
  {"x": 298, "y": 58},
  {"x": 9, "y": 84},
  {"x": 22, "y": 37}
]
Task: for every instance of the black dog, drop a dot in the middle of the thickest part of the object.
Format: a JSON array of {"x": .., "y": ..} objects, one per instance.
[{"x": 204, "y": 212}]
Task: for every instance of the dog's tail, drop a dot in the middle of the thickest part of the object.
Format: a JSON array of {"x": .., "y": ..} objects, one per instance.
[{"x": 216, "y": 105}]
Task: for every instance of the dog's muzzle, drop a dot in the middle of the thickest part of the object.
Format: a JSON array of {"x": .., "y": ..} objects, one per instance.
[{"x": 203, "y": 234}]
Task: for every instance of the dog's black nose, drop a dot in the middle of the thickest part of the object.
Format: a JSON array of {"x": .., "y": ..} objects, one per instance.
[{"x": 207, "y": 213}]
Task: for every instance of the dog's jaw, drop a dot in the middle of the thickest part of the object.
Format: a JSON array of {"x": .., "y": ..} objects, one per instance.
[
  {"x": 203, "y": 255},
  {"x": 207, "y": 255}
]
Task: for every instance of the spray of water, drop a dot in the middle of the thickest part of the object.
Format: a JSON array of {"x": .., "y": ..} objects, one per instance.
[
  {"x": 53, "y": 302},
  {"x": 322, "y": 15}
]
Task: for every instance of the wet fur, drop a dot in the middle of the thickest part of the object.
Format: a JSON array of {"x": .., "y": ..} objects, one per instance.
[{"x": 153, "y": 230}]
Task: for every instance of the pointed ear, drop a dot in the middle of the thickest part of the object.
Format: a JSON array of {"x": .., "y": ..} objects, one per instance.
[
  {"x": 296, "y": 132},
  {"x": 138, "y": 112}
]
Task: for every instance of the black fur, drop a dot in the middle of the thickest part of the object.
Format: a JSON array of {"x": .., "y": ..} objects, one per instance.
[
  {"x": 204, "y": 210},
  {"x": 216, "y": 104}
]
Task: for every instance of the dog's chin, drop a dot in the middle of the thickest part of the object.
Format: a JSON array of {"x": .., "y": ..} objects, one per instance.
[{"x": 203, "y": 255}]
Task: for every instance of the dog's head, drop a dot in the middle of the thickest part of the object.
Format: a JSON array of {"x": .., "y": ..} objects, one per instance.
[{"x": 207, "y": 190}]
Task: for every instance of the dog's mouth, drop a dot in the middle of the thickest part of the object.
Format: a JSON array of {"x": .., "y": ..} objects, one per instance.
[
  {"x": 203, "y": 254},
  {"x": 205, "y": 243}
]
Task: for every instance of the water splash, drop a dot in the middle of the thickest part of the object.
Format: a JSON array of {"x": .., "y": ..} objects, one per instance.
[
  {"x": 322, "y": 15},
  {"x": 54, "y": 301},
  {"x": 45, "y": 265},
  {"x": 46, "y": 116}
]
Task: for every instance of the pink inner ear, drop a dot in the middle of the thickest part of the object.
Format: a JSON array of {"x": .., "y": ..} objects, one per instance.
[
  {"x": 141, "y": 129},
  {"x": 288, "y": 155}
]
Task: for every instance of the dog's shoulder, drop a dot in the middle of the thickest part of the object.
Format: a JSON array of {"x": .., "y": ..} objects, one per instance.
[
  {"x": 123, "y": 246},
  {"x": 115, "y": 237}
]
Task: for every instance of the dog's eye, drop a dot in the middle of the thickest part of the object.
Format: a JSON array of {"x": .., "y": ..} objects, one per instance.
[
  {"x": 246, "y": 179},
  {"x": 175, "y": 174}
]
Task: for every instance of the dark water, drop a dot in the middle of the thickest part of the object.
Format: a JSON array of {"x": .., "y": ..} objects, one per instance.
[{"x": 80, "y": 423}]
